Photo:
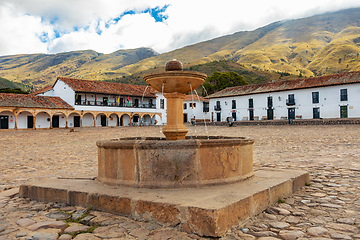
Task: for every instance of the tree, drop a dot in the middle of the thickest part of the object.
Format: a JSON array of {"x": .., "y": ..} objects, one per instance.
[
  {"x": 10, "y": 90},
  {"x": 219, "y": 81}
]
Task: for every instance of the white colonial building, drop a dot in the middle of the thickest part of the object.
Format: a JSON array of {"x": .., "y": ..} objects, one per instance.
[
  {"x": 81, "y": 103},
  {"x": 195, "y": 109},
  {"x": 333, "y": 96}
]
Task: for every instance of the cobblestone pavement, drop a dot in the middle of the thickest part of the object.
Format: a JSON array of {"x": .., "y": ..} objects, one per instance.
[{"x": 327, "y": 209}]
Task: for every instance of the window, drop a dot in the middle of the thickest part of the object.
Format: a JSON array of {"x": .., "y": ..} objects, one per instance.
[
  {"x": 251, "y": 103},
  {"x": 78, "y": 99},
  {"x": 291, "y": 100},
  {"x": 315, "y": 97},
  {"x": 105, "y": 101},
  {"x": 193, "y": 105},
  {"x": 162, "y": 103},
  {"x": 136, "y": 103},
  {"x": 343, "y": 95},
  {"x": 233, "y": 104},
  {"x": 270, "y": 102},
  {"x": 217, "y": 106},
  {"x": 205, "y": 106},
  {"x": 185, "y": 106}
]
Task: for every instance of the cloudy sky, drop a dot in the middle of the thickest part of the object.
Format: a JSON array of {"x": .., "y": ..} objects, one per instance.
[{"x": 52, "y": 26}]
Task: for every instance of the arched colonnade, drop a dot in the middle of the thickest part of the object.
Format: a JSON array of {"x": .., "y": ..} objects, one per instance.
[{"x": 25, "y": 118}]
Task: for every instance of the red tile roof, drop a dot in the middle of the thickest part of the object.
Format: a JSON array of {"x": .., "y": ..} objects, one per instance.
[
  {"x": 194, "y": 97},
  {"x": 314, "y": 82},
  {"x": 42, "y": 90},
  {"x": 32, "y": 101},
  {"x": 89, "y": 86}
]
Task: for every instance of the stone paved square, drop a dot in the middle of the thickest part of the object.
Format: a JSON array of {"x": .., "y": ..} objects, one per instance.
[{"x": 327, "y": 209}]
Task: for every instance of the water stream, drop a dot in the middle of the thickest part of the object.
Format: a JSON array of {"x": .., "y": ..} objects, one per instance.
[
  {"x": 192, "y": 98},
  {"x": 142, "y": 99},
  {"x": 206, "y": 129},
  {"x": 162, "y": 93}
]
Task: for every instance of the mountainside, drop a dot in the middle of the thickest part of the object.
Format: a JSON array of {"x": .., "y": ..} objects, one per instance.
[
  {"x": 42, "y": 69},
  {"x": 318, "y": 45},
  {"x": 252, "y": 75},
  {"x": 4, "y": 83}
]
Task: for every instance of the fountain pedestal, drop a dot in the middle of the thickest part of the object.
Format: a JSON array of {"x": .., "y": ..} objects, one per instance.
[
  {"x": 174, "y": 84},
  {"x": 174, "y": 129}
]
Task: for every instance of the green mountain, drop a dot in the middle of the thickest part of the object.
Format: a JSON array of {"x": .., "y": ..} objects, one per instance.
[
  {"x": 252, "y": 76},
  {"x": 42, "y": 69},
  {"x": 314, "y": 46},
  {"x": 318, "y": 45},
  {"x": 6, "y": 84}
]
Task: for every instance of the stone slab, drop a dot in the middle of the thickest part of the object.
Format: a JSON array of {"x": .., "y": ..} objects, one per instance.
[
  {"x": 9, "y": 193},
  {"x": 207, "y": 211}
]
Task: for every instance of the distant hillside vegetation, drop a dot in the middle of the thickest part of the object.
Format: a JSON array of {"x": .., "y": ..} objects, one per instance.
[
  {"x": 8, "y": 86},
  {"x": 43, "y": 69},
  {"x": 319, "y": 45},
  {"x": 314, "y": 46},
  {"x": 252, "y": 76}
]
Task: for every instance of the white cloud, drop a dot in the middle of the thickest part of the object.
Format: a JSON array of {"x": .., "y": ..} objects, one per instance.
[
  {"x": 21, "y": 33},
  {"x": 94, "y": 24}
]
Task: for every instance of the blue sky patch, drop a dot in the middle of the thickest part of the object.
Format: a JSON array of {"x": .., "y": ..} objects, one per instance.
[{"x": 158, "y": 13}]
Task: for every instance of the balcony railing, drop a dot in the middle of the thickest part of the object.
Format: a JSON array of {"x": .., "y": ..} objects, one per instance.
[
  {"x": 114, "y": 104},
  {"x": 217, "y": 108},
  {"x": 290, "y": 102}
]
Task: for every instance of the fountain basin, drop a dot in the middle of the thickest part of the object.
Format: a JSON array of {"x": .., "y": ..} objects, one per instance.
[
  {"x": 159, "y": 163},
  {"x": 175, "y": 81}
]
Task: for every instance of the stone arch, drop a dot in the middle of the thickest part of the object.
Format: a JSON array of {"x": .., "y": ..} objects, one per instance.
[
  {"x": 113, "y": 120},
  {"x": 42, "y": 119},
  {"x": 7, "y": 119},
  {"x": 101, "y": 120},
  {"x": 156, "y": 119},
  {"x": 125, "y": 120},
  {"x": 25, "y": 119},
  {"x": 146, "y": 120},
  {"x": 74, "y": 119},
  {"x": 136, "y": 119},
  {"x": 59, "y": 120},
  {"x": 87, "y": 119}
]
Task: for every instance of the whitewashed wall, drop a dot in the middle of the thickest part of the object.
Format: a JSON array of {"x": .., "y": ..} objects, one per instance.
[
  {"x": 71, "y": 119},
  {"x": 88, "y": 120},
  {"x": 41, "y": 120},
  {"x": 126, "y": 120},
  {"x": 113, "y": 120},
  {"x": 11, "y": 120},
  {"x": 163, "y": 119},
  {"x": 62, "y": 120},
  {"x": 22, "y": 119},
  {"x": 63, "y": 91},
  {"x": 329, "y": 103},
  {"x": 197, "y": 111}
]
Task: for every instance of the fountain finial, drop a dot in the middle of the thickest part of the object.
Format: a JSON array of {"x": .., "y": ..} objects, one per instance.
[{"x": 173, "y": 65}]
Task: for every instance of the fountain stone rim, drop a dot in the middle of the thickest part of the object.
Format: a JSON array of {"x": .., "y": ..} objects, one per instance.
[{"x": 175, "y": 81}]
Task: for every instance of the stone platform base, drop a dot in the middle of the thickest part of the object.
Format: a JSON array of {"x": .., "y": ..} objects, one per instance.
[{"x": 208, "y": 211}]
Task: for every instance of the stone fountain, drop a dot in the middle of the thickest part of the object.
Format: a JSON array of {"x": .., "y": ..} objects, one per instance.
[
  {"x": 205, "y": 184},
  {"x": 176, "y": 162}
]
